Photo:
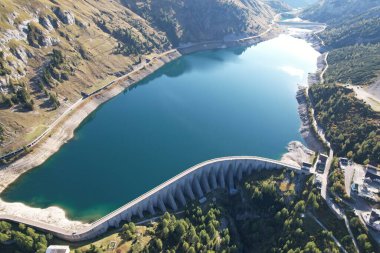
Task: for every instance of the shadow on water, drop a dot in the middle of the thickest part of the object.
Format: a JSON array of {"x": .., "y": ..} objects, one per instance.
[{"x": 201, "y": 61}]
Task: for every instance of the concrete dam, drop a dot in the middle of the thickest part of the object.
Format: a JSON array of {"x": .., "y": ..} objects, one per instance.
[{"x": 171, "y": 195}]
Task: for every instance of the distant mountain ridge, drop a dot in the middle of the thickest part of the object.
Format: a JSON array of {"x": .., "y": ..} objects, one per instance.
[
  {"x": 279, "y": 5},
  {"x": 336, "y": 11},
  {"x": 300, "y": 3}
]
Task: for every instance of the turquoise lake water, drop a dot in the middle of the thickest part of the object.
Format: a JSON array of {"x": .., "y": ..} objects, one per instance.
[{"x": 205, "y": 105}]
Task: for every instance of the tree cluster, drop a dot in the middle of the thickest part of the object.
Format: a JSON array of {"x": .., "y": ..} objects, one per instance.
[
  {"x": 200, "y": 231},
  {"x": 350, "y": 125},
  {"x": 280, "y": 220},
  {"x": 336, "y": 180},
  {"x": 361, "y": 234},
  {"x": 358, "y": 64},
  {"x": 24, "y": 238}
]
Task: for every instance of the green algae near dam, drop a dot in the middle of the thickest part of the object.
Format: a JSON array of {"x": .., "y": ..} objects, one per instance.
[{"x": 226, "y": 102}]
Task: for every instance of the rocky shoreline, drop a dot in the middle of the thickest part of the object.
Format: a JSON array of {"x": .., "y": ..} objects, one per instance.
[{"x": 306, "y": 129}]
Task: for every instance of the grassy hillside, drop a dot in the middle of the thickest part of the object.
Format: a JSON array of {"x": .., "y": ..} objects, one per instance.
[{"x": 51, "y": 51}]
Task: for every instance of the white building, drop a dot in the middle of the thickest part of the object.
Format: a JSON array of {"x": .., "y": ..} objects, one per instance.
[{"x": 58, "y": 249}]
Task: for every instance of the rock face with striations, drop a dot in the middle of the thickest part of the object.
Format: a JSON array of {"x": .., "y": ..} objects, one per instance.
[
  {"x": 45, "y": 22},
  {"x": 67, "y": 17}
]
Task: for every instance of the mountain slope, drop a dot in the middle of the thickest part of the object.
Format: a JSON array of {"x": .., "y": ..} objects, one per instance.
[
  {"x": 53, "y": 51},
  {"x": 350, "y": 38},
  {"x": 336, "y": 11},
  {"x": 199, "y": 20},
  {"x": 279, "y": 5},
  {"x": 300, "y": 3}
]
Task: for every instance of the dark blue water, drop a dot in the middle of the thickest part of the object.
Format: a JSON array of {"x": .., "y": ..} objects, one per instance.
[{"x": 205, "y": 105}]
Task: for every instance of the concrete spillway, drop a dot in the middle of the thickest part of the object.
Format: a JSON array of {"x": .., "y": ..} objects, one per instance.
[{"x": 173, "y": 194}]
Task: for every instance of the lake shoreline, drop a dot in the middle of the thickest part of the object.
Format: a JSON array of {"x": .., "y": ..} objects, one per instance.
[
  {"x": 307, "y": 130},
  {"x": 64, "y": 131}
]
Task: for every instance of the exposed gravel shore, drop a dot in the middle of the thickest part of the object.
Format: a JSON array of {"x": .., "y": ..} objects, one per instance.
[
  {"x": 297, "y": 153},
  {"x": 306, "y": 130}
]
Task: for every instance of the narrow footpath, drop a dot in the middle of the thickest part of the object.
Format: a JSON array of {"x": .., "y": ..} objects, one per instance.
[{"x": 332, "y": 236}]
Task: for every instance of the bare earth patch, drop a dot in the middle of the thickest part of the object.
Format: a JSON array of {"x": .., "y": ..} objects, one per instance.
[
  {"x": 370, "y": 94},
  {"x": 297, "y": 153}
]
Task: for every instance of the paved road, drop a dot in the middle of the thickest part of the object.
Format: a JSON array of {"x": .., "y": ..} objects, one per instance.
[
  {"x": 346, "y": 222},
  {"x": 324, "y": 177},
  {"x": 325, "y": 68}
]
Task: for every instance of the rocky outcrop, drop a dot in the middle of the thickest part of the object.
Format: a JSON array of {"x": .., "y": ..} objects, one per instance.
[
  {"x": 48, "y": 41},
  {"x": 67, "y": 17},
  {"x": 45, "y": 22},
  {"x": 21, "y": 54}
]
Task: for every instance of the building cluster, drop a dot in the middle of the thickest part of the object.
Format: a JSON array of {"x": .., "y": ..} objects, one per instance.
[{"x": 369, "y": 189}]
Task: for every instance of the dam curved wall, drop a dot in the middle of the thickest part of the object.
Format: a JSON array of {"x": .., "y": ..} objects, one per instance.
[{"x": 171, "y": 195}]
